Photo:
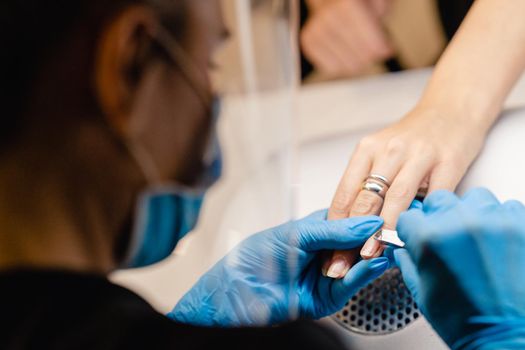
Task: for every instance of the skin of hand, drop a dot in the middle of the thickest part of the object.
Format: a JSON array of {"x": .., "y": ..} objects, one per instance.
[
  {"x": 434, "y": 145},
  {"x": 344, "y": 37},
  {"x": 427, "y": 148}
]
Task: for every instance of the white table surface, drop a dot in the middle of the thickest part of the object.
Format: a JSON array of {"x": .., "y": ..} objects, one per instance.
[{"x": 333, "y": 117}]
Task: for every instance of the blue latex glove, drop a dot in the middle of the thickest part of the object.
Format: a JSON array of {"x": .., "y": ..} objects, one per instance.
[
  {"x": 464, "y": 262},
  {"x": 275, "y": 276},
  {"x": 400, "y": 258}
]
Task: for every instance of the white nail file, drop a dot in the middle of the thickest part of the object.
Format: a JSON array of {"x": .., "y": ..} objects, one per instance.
[{"x": 389, "y": 237}]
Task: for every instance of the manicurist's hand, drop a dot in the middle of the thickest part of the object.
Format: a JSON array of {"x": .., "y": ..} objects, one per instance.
[
  {"x": 463, "y": 263},
  {"x": 275, "y": 276}
]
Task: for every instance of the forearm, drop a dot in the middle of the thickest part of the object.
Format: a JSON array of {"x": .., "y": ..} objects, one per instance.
[{"x": 481, "y": 64}]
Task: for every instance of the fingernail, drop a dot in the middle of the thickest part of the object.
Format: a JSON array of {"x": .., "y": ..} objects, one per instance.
[
  {"x": 338, "y": 268},
  {"x": 379, "y": 264},
  {"x": 369, "y": 249}
]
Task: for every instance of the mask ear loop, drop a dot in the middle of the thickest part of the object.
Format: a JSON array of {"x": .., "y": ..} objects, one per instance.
[
  {"x": 193, "y": 76},
  {"x": 189, "y": 70},
  {"x": 145, "y": 162}
]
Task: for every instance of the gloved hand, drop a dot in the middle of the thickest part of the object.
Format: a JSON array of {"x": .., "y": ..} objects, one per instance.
[
  {"x": 464, "y": 262},
  {"x": 275, "y": 276},
  {"x": 401, "y": 258}
]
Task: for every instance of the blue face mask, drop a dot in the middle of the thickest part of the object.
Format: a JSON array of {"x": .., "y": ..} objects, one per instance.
[{"x": 165, "y": 214}]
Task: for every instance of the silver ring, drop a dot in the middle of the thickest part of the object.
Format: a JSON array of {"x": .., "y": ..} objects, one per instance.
[
  {"x": 380, "y": 178},
  {"x": 375, "y": 187}
]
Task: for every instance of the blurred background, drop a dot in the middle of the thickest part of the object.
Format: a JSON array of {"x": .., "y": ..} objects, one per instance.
[{"x": 377, "y": 36}]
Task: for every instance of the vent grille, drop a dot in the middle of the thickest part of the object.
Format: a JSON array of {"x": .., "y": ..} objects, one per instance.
[{"x": 384, "y": 306}]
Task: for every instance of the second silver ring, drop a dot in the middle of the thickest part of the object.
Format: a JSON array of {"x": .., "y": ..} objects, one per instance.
[
  {"x": 376, "y": 187},
  {"x": 379, "y": 178}
]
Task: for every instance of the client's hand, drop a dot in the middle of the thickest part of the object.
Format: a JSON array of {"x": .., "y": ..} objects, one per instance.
[
  {"x": 275, "y": 276},
  {"x": 428, "y": 149},
  {"x": 464, "y": 262}
]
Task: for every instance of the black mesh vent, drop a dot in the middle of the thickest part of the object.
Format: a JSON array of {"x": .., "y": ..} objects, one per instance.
[{"x": 384, "y": 306}]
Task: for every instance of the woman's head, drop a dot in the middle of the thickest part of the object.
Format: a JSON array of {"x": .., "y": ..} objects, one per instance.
[
  {"x": 99, "y": 57},
  {"x": 81, "y": 80}
]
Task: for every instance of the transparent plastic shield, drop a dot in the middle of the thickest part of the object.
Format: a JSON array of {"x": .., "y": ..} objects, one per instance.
[{"x": 257, "y": 78}]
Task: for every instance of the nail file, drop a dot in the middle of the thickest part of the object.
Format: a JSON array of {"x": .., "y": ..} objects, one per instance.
[{"x": 389, "y": 237}]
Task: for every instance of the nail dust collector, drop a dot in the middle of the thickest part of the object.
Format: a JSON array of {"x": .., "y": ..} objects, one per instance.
[{"x": 383, "y": 315}]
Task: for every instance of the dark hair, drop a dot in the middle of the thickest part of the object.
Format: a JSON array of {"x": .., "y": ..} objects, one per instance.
[{"x": 32, "y": 31}]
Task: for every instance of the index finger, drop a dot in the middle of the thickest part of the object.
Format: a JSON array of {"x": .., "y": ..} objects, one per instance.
[
  {"x": 404, "y": 189},
  {"x": 336, "y": 234},
  {"x": 350, "y": 185}
]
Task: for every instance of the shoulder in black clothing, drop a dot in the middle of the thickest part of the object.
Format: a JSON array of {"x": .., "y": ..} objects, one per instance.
[{"x": 65, "y": 310}]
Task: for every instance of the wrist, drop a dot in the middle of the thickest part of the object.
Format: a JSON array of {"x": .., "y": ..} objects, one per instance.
[
  {"x": 463, "y": 107},
  {"x": 458, "y": 114}
]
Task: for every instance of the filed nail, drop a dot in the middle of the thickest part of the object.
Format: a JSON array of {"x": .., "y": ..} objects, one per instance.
[
  {"x": 369, "y": 249},
  {"x": 324, "y": 269},
  {"x": 338, "y": 268}
]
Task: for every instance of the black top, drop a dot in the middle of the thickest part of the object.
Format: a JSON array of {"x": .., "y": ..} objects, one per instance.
[{"x": 65, "y": 310}]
